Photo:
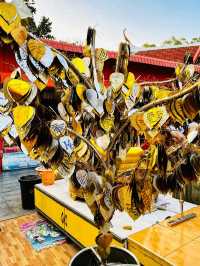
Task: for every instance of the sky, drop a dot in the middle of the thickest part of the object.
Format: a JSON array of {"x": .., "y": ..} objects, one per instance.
[{"x": 151, "y": 21}]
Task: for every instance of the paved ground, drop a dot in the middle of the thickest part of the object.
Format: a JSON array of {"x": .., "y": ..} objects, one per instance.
[{"x": 10, "y": 194}]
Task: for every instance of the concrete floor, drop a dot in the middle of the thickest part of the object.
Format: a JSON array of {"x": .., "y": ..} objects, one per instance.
[{"x": 10, "y": 194}]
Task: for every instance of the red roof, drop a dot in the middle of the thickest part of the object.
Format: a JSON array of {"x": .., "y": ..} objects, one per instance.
[
  {"x": 64, "y": 46},
  {"x": 165, "y": 57},
  {"x": 175, "y": 54},
  {"x": 158, "y": 62}
]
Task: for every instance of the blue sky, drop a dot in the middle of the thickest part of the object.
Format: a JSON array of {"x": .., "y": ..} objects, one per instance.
[{"x": 146, "y": 20}]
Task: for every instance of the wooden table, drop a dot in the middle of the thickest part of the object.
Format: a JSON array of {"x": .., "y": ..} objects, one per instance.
[{"x": 164, "y": 245}]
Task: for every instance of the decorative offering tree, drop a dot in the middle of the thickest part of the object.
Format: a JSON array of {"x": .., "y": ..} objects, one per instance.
[{"x": 118, "y": 145}]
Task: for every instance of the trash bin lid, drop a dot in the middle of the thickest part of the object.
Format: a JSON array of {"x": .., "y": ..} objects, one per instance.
[{"x": 29, "y": 178}]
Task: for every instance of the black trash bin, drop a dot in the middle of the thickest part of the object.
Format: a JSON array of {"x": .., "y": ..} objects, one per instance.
[
  {"x": 117, "y": 257},
  {"x": 27, "y": 184}
]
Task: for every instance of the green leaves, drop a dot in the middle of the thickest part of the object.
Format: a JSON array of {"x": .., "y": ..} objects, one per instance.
[{"x": 44, "y": 28}]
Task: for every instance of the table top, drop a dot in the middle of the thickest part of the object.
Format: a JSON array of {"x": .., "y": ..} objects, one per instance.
[
  {"x": 178, "y": 244},
  {"x": 59, "y": 191}
]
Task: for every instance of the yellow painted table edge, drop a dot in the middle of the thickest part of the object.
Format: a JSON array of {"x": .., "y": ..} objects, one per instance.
[{"x": 38, "y": 203}]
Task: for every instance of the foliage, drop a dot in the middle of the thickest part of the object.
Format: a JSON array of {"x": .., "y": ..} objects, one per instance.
[
  {"x": 195, "y": 40},
  {"x": 44, "y": 28},
  {"x": 31, "y": 6},
  {"x": 175, "y": 41},
  {"x": 148, "y": 45}
]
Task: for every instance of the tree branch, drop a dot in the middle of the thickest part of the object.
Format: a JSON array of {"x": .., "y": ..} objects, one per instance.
[
  {"x": 168, "y": 99},
  {"x": 151, "y": 105},
  {"x": 89, "y": 144},
  {"x": 119, "y": 131},
  {"x": 156, "y": 82},
  {"x": 75, "y": 70}
]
